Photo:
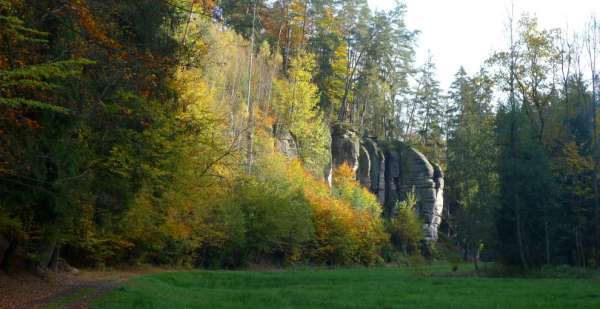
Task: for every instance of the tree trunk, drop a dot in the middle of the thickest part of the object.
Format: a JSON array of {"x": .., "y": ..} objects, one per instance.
[
  {"x": 250, "y": 130},
  {"x": 595, "y": 173},
  {"x": 547, "y": 239},
  {"x": 520, "y": 236},
  {"x": 46, "y": 251},
  {"x": 351, "y": 71},
  {"x": 304, "y": 18},
  {"x": 364, "y": 111},
  {"x": 53, "y": 264},
  {"x": 593, "y": 43},
  {"x": 9, "y": 255},
  {"x": 283, "y": 17},
  {"x": 513, "y": 147},
  {"x": 476, "y": 259}
]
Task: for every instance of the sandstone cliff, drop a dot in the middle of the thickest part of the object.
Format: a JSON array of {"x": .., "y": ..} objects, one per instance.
[{"x": 391, "y": 170}]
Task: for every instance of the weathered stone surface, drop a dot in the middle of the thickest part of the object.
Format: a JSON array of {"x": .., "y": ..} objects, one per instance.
[
  {"x": 63, "y": 266},
  {"x": 438, "y": 206},
  {"x": 391, "y": 170},
  {"x": 345, "y": 147},
  {"x": 377, "y": 169},
  {"x": 364, "y": 167},
  {"x": 286, "y": 144}
]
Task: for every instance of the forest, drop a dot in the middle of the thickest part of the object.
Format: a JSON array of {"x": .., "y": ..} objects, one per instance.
[{"x": 138, "y": 132}]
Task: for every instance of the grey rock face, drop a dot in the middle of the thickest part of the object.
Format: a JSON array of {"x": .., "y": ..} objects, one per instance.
[
  {"x": 392, "y": 170},
  {"x": 377, "y": 169},
  {"x": 364, "y": 167},
  {"x": 286, "y": 144},
  {"x": 345, "y": 148},
  {"x": 438, "y": 207}
]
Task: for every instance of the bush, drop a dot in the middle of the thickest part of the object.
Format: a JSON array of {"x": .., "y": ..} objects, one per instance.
[
  {"x": 277, "y": 218},
  {"x": 279, "y": 215},
  {"x": 290, "y": 216},
  {"x": 348, "y": 189},
  {"x": 405, "y": 227},
  {"x": 348, "y": 223}
]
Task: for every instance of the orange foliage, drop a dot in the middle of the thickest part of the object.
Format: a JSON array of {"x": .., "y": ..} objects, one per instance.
[
  {"x": 207, "y": 5},
  {"x": 86, "y": 21},
  {"x": 344, "y": 171},
  {"x": 153, "y": 63},
  {"x": 344, "y": 234}
]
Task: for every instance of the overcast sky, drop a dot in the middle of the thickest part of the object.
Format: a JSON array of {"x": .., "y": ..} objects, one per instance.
[{"x": 464, "y": 32}]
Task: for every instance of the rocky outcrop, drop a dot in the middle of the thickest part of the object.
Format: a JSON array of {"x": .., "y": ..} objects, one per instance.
[
  {"x": 375, "y": 169},
  {"x": 286, "y": 144},
  {"x": 391, "y": 170},
  {"x": 345, "y": 147}
]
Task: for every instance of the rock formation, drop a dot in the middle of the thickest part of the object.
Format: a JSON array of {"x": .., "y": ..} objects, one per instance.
[
  {"x": 286, "y": 144},
  {"x": 345, "y": 147},
  {"x": 391, "y": 170}
]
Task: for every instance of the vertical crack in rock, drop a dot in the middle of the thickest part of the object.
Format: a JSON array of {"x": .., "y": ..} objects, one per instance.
[
  {"x": 345, "y": 148},
  {"x": 391, "y": 170},
  {"x": 377, "y": 169},
  {"x": 365, "y": 170}
]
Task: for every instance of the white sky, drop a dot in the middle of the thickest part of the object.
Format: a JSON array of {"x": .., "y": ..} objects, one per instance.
[{"x": 465, "y": 32}]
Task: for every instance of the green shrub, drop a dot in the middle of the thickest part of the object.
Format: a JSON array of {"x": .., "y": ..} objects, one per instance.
[{"x": 405, "y": 227}]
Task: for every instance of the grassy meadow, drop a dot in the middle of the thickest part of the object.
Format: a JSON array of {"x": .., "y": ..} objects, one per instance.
[{"x": 430, "y": 287}]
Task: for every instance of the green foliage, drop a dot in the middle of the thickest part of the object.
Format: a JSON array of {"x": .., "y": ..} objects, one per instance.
[
  {"x": 126, "y": 133},
  {"x": 429, "y": 107},
  {"x": 526, "y": 189},
  {"x": 10, "y": 226},
  {"x": 296, "y": 107},
  {"x": 69, "y": 177},
  {"x": 21, "y": 82},
  {"x": 472, "y": 154},
  {"x": 405, "y": 227},
  {"x": 278, "y": 220},
  {"x": 347, "y": 188}
]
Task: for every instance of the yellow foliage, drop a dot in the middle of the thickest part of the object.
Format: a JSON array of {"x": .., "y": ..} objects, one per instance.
[
  {"x": 336, "y": 83},
  {"x": 143, "y": 221},
  {"x": 349, "y": 189},
  {"x": 344, "y": 173}
]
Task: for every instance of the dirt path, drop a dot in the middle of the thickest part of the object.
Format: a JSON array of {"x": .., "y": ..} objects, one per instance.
[
  {"x": 62, "y": 290},
  {"x": 98, "y": 291},
  {"x": 76, "y": 296}
]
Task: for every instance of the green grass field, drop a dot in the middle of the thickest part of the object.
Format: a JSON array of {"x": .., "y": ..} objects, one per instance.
[{"x": 348, "y": 288}]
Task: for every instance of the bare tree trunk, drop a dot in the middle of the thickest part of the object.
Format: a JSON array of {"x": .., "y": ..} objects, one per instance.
[
  {"x": 593, "y": 42},
  {"x": 288, "y": 43},
  {"x": 476, "y": 253},
  {"x": 565, "y": 68},
  {"x": 46, "y": 251},
  {"x": 513, "y": 136},
  {"x": 53, "y": 264},
  {"x": 580, "y": 254},
  {"x": 520, "y": 235},
  {"x": 250, "y": 131},
  {"x": 283, "y": 13},
  {"x": 364, "y": 111},
  {"x": 305, "y": 17},
  {"x": 348, "y": 84},
  {"x": 547, "y": 240}
]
